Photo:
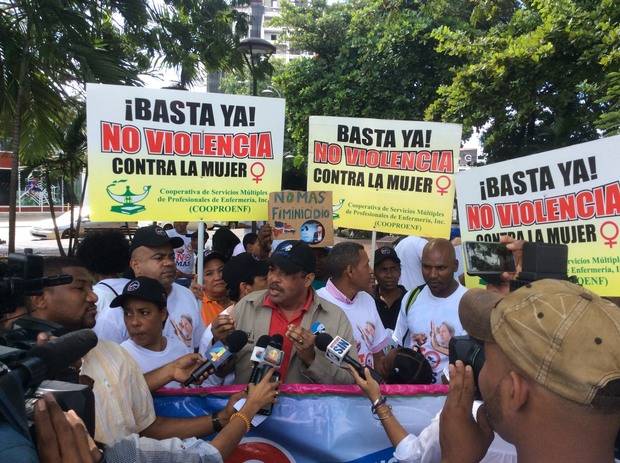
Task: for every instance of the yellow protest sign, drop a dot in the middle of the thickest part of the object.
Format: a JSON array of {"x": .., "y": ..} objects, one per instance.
[
  {"x": 302, "y": 215},
  {"x": 391, "y": 176},
  {"x": 176, "y": 155},
  {"x": 568, "y": 196}
]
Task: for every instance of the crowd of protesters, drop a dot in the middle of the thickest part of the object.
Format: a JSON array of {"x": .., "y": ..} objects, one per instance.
[{"x": 550, "y": 384}]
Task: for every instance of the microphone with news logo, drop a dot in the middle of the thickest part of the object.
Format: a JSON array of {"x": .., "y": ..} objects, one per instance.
[
  {"x": 272, "y": 358},
  {"x": 257, "y": 356},
  {"x": 218, "y": 354},
  {"x": 337, "y": 351}
]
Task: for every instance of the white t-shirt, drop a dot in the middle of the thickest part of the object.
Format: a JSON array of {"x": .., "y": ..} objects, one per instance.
[
  {"x": 108, "y": 289},
  {"x": 150, "y": 360},
  {"x": 425, "y": 448},
  {"x": 368, "y": 331},
  {"x": 432, "y": 322},
  {"x": 239, "y": 249},
  {"x": 409, "y": 251},
  {"x": 184, "y": 321},
  {"x": 183, "y": 256}
]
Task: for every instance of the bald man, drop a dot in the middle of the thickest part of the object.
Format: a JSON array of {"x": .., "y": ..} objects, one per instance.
[{"x": 429, "y": 314}]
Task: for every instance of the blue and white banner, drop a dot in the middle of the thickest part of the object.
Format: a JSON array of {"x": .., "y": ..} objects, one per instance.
[{"x": 312, "y": 428}]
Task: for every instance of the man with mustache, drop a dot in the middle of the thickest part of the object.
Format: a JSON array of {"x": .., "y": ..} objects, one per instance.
[
  {"x": 289, "y": 307},
  {"x": 435, "y": 303},
  {"x": 152, "y": 256}
]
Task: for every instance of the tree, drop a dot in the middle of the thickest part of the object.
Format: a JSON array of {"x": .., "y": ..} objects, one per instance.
[
  {"x": 372, "y": 58},
  {"x": 197, "y": 36},
  {"x": 542, "y": 76},
  {"x": 48, "y": 50}
]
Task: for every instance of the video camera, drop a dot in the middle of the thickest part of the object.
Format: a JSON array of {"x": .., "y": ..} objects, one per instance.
[
  {"x": 28, "y": 371},
  {"x": 540, "y": 261},
  {"x": 23, "y": 276}
]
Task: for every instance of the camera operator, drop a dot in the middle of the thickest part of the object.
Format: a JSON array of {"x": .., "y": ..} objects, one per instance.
[
  {"x": 551, "y": 379},
  {"x": 123, "y": 402}
]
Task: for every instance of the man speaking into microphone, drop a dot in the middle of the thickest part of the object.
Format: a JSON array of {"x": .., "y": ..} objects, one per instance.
[{"x": 290, "y": 307}]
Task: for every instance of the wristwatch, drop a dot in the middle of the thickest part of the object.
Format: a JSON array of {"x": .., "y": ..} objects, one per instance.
[{"x": 217, "y": 426}]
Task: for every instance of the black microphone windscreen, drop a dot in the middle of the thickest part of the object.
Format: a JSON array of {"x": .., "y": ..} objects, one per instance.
[
  {"x": 236, "y": 340},
  {"x": 263, "y": 341},
  {"x": 322, "y": 340},
  {"x": 61, "y": 352},
  {"x": 276, "y": 341}
]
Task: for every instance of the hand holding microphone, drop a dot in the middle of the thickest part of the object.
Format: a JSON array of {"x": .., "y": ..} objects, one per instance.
[
  {"x": 218, "y": 355},
  {"x": 222, "y": 326},
  {"x": 337, "y": 351}
]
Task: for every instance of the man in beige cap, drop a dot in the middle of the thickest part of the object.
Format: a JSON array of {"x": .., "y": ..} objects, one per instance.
[{"x": 551, "y": 380}]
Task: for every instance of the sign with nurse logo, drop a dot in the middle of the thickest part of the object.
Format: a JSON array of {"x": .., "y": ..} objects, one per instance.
[{"x": 302, "y": 215}]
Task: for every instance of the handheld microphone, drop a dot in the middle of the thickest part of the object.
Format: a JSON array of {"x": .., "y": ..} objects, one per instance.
[
  {"x": 317, "y": 327},
  {"x": 272, "y": 358},
  {"x": 257, "y": 356},
  {"x": 218, "y": 354},
  {"x": 273, "y": 355},
  {"x": 337, "y": 351}
]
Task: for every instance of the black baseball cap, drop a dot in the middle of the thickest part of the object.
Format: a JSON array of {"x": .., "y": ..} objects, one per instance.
[
  {"x": 143, "y": 288},
  {"x": 409, "y": 367},
  {"x": 294, "y": 256},
  {"x": 386, "y": 252},
  {"x": 154, "y": 236},
  {"x": 243, "y": 268},
  {"x": 213, "y": 255}
]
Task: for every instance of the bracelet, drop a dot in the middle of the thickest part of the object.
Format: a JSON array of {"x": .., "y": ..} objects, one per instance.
[
  {"x": 244, "y": 418},
  {"x": 377, "y": 403},
  {"x": 388, "y": 414}
]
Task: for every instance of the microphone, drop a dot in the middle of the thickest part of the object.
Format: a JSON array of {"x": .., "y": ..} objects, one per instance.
[
  {"x": 55, "y": 356},
  {"x": 257, "y": 356},
  {"x": 337, "y": 351},
  {"x": 272, "y": 358},
  {"x": 317, "y": 327},
  {"x": 273, "y": 355},
  {"x": 218, "y": 354}
]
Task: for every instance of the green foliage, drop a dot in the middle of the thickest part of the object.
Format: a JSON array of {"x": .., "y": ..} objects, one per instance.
[
  {"x": 543, "y": 77},
  {"x": 197, "y": 36},
  {"x": 373, "y": 59}
]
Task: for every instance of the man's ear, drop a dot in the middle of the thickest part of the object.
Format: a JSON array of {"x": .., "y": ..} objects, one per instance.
[
  {"x": 133, "y": 264},
  {"x": 519, "y": 391},
  {"x": 244, "y": 289},
  {"x": 308, "y": 279},
  {"x": 38, "y": 302}
]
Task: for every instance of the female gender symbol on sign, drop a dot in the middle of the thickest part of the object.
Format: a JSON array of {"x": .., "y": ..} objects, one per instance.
[
  {"x": 257, "y": 169},
  {"x": 442, "y": 183},
  {"x": 615, "y": 231}
]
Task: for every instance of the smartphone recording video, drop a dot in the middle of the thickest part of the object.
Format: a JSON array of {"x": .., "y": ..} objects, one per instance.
[{"x": 482, "y": 258}]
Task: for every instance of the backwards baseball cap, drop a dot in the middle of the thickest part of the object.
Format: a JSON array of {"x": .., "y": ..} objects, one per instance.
[
  {"x": 154, "y": 236},
  {"x": 243, "y": 268},
  {"x": 143, "y": 288},
  {"x": 561, "y": 335},
  {"x": 294, "y": 256},
  {"x": 385, "y": 252}
]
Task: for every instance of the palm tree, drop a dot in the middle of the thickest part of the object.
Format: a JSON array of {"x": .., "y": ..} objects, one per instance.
[
  {"x": 48, "y": 50},
  {"x": 195, "y": 36}
]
